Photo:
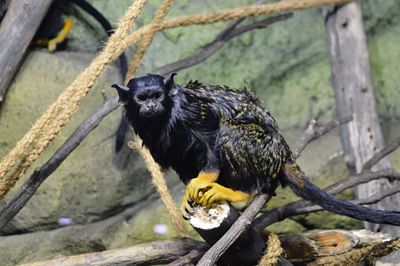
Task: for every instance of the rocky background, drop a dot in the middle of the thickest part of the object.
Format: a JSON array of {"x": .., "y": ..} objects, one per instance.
[{"x": 98, "y": 199}]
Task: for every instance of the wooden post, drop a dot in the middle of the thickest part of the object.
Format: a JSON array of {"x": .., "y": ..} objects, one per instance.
[
  {"x": 352, "y": 83},
  {"x": 17, "y": 29}
]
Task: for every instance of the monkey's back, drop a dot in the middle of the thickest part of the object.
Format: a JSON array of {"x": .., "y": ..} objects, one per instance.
[{"x": 248, "y": 143}]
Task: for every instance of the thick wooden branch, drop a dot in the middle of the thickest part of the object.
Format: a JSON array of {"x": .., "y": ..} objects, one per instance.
[
  {"x": 17, "y": 29},
  {"x": 158, "y": 252},
  {"x": 234, "y": 232}
]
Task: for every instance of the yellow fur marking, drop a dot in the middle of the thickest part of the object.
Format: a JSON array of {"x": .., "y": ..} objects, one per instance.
[
  {"x": 204, "y": 191},
  {"x": 208, "y": 176},
  {"x": 52, "y": 45}
]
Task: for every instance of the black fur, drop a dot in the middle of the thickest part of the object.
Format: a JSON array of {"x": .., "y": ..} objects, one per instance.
[{"x": 209, "y": 128}]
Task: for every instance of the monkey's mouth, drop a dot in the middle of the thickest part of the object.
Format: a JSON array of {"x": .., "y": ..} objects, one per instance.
[{"x": 149, "y": 114}]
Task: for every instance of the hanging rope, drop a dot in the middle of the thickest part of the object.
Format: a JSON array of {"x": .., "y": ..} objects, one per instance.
[
  {"x": 155, "y": 171},
  {"x": 159, "y": 182},
  {"x": 148, "y": 38},
  {"x": 58, "y": 114}
]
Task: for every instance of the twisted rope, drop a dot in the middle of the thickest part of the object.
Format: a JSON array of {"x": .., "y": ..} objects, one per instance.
[
  {"x": 159, "y": 182},
  {"x": 59, "y": 113},
  {"x": 148, "y": 38},
  {"x": 272, "y": 252},
  {"x": 155, "y": 171},
  {"x": 230, "y": 14}
]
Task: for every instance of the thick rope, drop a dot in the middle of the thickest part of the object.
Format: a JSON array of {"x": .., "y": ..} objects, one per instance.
[
  {"x": 54, "y": 119},
  {"x": 368, "y": 253},
  {"x": 148, "y": 38},
  {"x": 157, "y": 176},
  {"x": 232, "y": 13},
  {"x": 272, "y": 252},
  {"x": 58, "y": 114},
  {"x": 159, "y": 182}
]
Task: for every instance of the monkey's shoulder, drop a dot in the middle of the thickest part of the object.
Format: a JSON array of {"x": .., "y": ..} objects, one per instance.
[{"x": 219, "y": 94}]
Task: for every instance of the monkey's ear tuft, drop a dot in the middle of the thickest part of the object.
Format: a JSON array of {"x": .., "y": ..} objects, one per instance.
[
  {"x": 169, "y": 84},
  {"x": 122, "y": 92}
]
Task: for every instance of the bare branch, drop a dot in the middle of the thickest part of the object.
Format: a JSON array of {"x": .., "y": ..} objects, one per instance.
[
  {"x": 381, "y": 154},
  {"x": 40, "y": 174},
  {"x": 313, "y": 132},
  {"x": 291, "y": 209},
  {"x": 157, "y": 252},
  {"x": 215, "y": 252},
  {"x": 227, "y": 34},
  {"x": 189, "y": 259},
  {"x": 362, "y": 178},
  {"x": 369, "y": 200}
]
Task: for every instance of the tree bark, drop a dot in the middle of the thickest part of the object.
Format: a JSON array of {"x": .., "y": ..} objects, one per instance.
[
  {"x": 158, "y": 252},
  {"x": 17, "y": 29},
  {"x": 353, "y": 86}
]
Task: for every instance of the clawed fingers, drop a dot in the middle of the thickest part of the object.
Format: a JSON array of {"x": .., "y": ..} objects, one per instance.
[
  {"x": 187, "y": 207},
  {"x": 196, "y": 190},
  {"x": 210, "y": 197}
]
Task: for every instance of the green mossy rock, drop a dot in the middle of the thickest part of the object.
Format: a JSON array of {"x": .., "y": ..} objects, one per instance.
[{"x": 109, "y": 198}]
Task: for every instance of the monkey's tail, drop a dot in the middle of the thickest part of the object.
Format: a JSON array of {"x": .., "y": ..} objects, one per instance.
[
  {"x": 106, "y": 25},
  {"x": 303, "y": 188}
]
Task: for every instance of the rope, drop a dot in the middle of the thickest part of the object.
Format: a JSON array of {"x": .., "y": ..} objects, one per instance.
[
  {"x": 157, "y": 176},
  {"x": 148, "y": 38},
  {"x": 159, "y": 182},
  {"x": 58, "y": 114},
  {"x": 229, "y": 14},
  {"x": 368, "y": 253},
  {"x": 272, "y": 252}
]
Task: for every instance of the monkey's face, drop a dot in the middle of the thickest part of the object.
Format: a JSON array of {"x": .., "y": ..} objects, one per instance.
[
  {"x": 148, "y": 97},
  {"x": 150, "y": 101}
]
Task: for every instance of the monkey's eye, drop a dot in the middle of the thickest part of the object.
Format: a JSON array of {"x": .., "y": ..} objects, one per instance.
[
  {"x": 157, "y": 95},
  {"x": 140, "y": 98}
]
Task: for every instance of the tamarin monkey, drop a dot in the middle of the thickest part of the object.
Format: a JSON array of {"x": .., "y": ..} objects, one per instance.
[
  {"x": 223, "y": 144},
  {"x": 54, "y": 30}
]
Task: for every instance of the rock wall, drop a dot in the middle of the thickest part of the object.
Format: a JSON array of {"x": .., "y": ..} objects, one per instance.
[{"x": 106, "y": 199}]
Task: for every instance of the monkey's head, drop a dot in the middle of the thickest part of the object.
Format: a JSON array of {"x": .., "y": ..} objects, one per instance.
[{"x": 148, "y": 97}]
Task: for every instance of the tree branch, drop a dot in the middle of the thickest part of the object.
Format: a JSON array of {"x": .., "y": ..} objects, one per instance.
[
  {"x": 365, "y": 201},
  {"x": 291, "y": 209},
  {"x": 215, "y": 252},
  {"x": 189, "y": 259},
  {"x": 227, "y": 34},
  {"x": 40, "y": 174},
  {"x": 381, "y": 154},
  {"x": 313, "y": 132},
  {"x": 157, "y": 252}
]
